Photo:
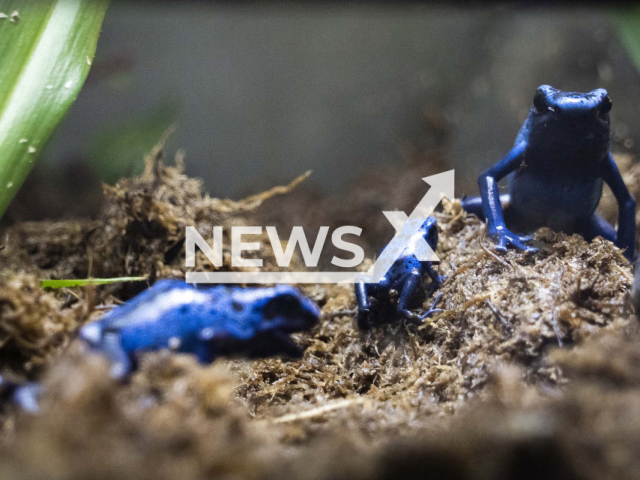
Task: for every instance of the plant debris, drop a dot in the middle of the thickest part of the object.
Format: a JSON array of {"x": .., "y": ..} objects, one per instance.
[{"x": 531, "y": 370}]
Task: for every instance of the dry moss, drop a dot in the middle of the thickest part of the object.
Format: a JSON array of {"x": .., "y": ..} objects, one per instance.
[
  {"x": 33, "y": 322},
  {"x": 175, "y": 420},
  {"x": 530, "y": 372},
  {"x": 499, "y": 311},
  {"x": 139, "y": 231}
]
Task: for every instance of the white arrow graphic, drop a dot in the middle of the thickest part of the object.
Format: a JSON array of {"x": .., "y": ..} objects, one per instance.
[{"x": 442, "y": 185}]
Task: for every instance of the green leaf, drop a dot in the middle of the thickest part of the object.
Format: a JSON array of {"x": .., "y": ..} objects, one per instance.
[
  {"x": 119, "y": 150},
  {"x": 47, "y": 48},
  {"x": 88, "y": 281},
  {"x": 628, "y": 23}
]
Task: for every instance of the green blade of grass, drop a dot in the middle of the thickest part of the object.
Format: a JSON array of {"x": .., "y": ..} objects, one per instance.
[
  {"x": 88, "y": 281},
  {"x": 47, "y": 48}
]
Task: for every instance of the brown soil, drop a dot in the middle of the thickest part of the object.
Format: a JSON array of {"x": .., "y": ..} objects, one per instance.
[{"x": 531, "y": 371}]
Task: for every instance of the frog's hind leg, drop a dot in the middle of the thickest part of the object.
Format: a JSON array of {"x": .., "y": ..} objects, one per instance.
[
  {"x": 597, "y": 226},
  {"x": 473, "y": 205},
  {"x": 410, "y": 281}
]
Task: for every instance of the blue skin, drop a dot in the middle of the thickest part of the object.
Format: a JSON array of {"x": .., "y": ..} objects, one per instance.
[
  {"x": 24, "y": 395},
  {"x": 404, "y": 277},
  {"x": 211, "y": 322},
  {"x": 556, "y": 169},
  {"x": 217, "y": 321}
]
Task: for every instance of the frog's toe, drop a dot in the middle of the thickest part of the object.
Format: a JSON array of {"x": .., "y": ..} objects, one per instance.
[
  {"x": 521, "y": 246},
  {"x": 431, "y": 312},
  {"x": 501, "y": 246},
  {"x": 525, "y": 238}
]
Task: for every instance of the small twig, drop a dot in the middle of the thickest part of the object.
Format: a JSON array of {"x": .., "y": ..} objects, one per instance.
[
  {"x": 554, "y": 323},
  {"x": 316, "y": 412},
  {"x": 496, "y": 257},
  {"x": 105, "y": 307},
  {"x": 497, "y": 314}
]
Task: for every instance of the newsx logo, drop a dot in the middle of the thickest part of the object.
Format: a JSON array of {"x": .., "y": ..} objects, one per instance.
[
  {"x": 405, "y": 225},
  {"x": 283, "y": 256}
]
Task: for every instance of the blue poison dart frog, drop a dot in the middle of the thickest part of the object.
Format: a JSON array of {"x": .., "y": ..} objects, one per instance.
[
  {"x": 208, "y": 322},
  {"x": 556, "y": 169},
  {"x": 402, "y": 279},
  {"x": 24, "y": 395}
]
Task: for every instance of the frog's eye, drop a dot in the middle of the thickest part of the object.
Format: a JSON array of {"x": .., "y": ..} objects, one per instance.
[
  {"x": 280, "y": 305},
  {"x": 540, "y": 101},
  {"x": 605, "y": 105}
]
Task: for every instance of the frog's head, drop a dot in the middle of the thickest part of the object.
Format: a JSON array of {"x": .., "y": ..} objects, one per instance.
[
  {"x": 285, "y": 309},
  {"x": 592, "y": 107},
  {"x": 429, "y": 231},
  {"x": 576, "y": 124}
]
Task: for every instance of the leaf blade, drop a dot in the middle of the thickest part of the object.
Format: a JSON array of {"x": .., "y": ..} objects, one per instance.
[
  {"x": 50, "y": 47},
  {"x": 81, "y": 282}
]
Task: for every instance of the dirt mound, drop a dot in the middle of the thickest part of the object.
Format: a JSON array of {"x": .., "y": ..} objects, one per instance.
[{"x": 531, "y": 370}]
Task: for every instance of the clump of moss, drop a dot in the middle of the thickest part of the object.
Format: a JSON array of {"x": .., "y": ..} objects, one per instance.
[
  {"x": 33, "y": 323},
  {"x": 530, "y": 369},
  {"x": 140, "y": 229},
  {"x": 498, "y": 311},
  {"x": 174, "y": 420}
]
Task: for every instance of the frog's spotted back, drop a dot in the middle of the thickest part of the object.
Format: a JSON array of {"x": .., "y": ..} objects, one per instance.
[{"x": 208, "y": 322}]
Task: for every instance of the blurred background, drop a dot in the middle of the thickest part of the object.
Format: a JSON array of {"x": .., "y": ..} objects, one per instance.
[{"x": 263, "y": 93}]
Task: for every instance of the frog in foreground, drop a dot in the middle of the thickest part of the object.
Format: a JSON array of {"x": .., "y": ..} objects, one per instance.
[
  {"x": 556, "y": 169},
  {"x": 208, "y": 322},
  {"x": 404, "y": 277}
]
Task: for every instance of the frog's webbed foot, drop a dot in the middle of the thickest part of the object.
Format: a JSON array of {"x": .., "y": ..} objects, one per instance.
[
  {"x": 433, "y": 310},
  {"x": 505, "y": 237}
]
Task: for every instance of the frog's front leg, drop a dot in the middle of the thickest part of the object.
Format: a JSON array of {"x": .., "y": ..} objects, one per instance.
[
  {"x": 473, "y": 205},
  {"x": 491, "y": 207},
  {"x": 111, "y": 347},
  {"x": 626, "y": 236},
  {"x": 363, "y": 291},
  {"x": 362, "y": 297}
]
